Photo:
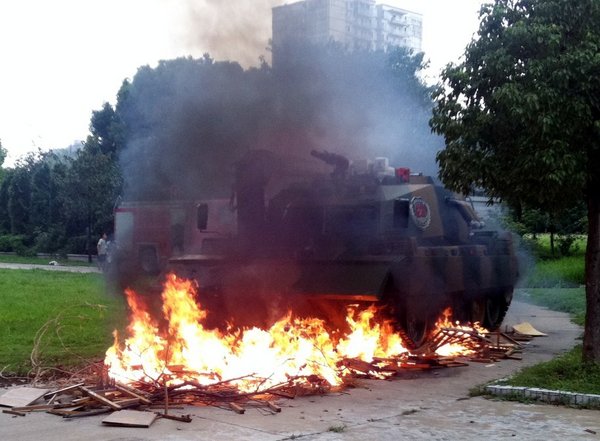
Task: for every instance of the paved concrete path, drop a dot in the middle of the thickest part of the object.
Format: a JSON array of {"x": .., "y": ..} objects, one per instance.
[{"x": 433, "y": 405}]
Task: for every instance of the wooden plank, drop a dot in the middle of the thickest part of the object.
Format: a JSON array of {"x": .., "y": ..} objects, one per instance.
[
  {"x": 128, "y": 402},
  {"x": 66, "y": 411},
  {"x": 182, "y": 418},
  {"x": 133, "y": 393},
  {"x": 41, "y": 407},
  {"x": 130, "y": 418},
  {"x": 100, "y": 398},
  {"x": 89, "y": 413},
  {"x": 64, "y": 389},
  {"x": 22, "y": 396},
  {"x": 34, "y": 407},
  {"x": 274, "y": 407},
  {"x": 237, "y": 408},
  {"x": 13, "y": 412}
]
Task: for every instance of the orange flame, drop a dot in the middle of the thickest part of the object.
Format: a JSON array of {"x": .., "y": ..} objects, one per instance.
[
  {"x": 452, "y": 328},
  {"x": 252, "y": 360}
]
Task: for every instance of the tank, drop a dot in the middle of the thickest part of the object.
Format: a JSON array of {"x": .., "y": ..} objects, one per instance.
[{"x": 316, "y": 239}]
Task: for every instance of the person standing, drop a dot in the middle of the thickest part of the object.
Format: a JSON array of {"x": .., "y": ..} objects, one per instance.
[{"x": 102, "y": 248}]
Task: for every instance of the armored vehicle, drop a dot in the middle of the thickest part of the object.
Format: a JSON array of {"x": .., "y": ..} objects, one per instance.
[{"x": 361, "y": 232}]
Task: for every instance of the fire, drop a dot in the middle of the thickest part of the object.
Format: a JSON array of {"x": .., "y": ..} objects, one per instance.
[
  {"x": 293, "y": 349},
  {"x": 454, "y": 328}
]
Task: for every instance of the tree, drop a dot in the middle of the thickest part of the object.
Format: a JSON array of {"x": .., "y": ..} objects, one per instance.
[
  {"x": 521, "y": 118},
  {"x": 3, "y": 154},
  {"x": 40, "y": 196},
  {"x": 92, "y": 184},
  {"x": 4, "y": 198},
  {"x": 106, "y": 130},
  {"x": 19, "y": 198}
]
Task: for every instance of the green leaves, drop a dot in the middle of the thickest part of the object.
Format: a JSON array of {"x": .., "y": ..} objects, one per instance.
[{"x": 517, "y": 113}]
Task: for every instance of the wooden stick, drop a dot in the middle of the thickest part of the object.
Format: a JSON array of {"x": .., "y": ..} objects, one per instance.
[
  {"x": 100, "y": 398},
  {"x": 509, "y": 338},
  {"x": 34, "y": 407},
  {"x": 89, "y": 413},
  {"x": 67, "y": 411},
  {"x": 237, "y": 408},
  {"x": 64, "y": 389},
  {"x": 133, "y": 393},
  {"x": 182, "y": 418},
  {"x": 283, "y": 393},
  {"x": 166, "y": 399},
  {"x": 128, "y": 402},
  {"x": 14, "y": 412},
  {"x": 160, "y": 406},
  {"x": 273, "y": 407}
]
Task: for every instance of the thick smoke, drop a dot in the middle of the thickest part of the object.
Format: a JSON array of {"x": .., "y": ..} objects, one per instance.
[
  {"x": 234, "y": 30},
  {"x": 190, "y": 120}
]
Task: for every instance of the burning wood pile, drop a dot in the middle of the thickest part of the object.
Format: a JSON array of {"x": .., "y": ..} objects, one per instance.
[{"x": 179, "y": 362}]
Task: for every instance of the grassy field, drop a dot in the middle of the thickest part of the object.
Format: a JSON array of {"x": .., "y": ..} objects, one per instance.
[
  {"x": 548, "y": 272},
  {"x": 565, "y": 272},
  {"x": 72, "y": 312}
]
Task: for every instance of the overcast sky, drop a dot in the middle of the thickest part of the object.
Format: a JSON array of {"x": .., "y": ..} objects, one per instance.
[{"x": 61, "y": 59}]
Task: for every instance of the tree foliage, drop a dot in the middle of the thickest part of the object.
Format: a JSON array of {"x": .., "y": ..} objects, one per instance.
[
  {"x": 106, "y": 130},
  {"x": 521, "y": 117},
  {"x": 51, "y": 203},
  {"x": 3, "y": 153}
]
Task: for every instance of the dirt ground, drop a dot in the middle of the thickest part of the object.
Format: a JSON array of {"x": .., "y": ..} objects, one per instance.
[{"x": 432, "y": 405}]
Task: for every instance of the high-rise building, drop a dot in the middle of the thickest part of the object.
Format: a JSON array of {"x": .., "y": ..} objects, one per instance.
[
  {"x": 355, "y": 24},
  {"x": 398, "y": 27}
]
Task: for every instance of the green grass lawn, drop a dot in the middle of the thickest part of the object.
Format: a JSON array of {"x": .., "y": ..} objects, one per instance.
[
  {"x": 78, "y": 315},
  {"x": 566, "y": 272}
]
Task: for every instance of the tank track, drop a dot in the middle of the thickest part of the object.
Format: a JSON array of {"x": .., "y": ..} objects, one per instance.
[{"x": 409, "y": 343}]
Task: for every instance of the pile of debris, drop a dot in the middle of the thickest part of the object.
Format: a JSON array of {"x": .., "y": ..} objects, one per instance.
[{"x": 140, "y": 403}]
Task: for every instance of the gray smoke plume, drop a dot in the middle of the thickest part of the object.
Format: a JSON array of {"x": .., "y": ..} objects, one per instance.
[
  {"x": 230, "y": 30},
  {"x": 190, "y": 120}
]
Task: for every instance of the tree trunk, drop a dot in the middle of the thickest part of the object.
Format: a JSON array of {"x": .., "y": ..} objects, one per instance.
[
  {"x": 591, "y": 338},
  {"x": 89, "y": 237}
]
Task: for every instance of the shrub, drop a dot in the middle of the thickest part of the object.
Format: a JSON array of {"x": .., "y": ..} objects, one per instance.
[
  {"x": 76, "y": 245},
  {"x": 565, "y": 243},
  {"x": 13, "y": 243},
  {"x": 51, "y": 241}
]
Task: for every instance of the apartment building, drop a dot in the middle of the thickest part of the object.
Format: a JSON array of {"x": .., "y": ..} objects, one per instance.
[{"x": 356, "y": 24}]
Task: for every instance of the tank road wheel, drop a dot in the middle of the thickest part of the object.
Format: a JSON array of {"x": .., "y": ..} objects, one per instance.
[
  {"x": 416, "y": 329},
  {"x": 495, "y": 311},
  {"x": 478, "y": 308}
]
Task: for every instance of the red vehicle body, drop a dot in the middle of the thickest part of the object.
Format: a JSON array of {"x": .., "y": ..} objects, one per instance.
[{"x": 148, "y": 234}]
